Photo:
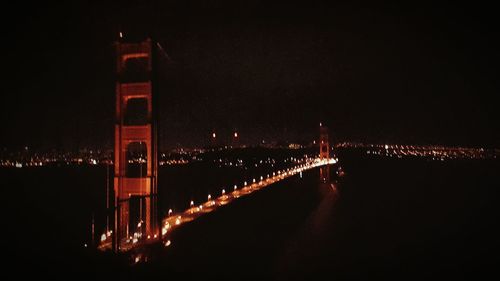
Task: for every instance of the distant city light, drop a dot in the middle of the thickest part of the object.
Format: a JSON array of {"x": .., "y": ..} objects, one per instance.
[{"x": 301, "y": 163}]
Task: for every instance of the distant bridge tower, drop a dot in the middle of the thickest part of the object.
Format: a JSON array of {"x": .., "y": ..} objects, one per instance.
[
  {"x": 135, "y": 163},
  {"x": 235, "y": 139},
  {"x": 324, "y": 153},
  {"x": 324, "y": 145}
]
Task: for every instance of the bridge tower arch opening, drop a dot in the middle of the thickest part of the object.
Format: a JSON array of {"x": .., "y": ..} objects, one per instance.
[{"x": 135, "y": 160}]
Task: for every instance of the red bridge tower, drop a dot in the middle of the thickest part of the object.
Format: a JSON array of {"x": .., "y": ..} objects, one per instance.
[
  {"x": 324, "y": 146},
  {"x": 135, "y": 162},
  {"x": 324, "y": 153}
]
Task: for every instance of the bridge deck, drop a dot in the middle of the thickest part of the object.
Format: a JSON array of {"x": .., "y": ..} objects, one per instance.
[{"x": 173, "y": 221}]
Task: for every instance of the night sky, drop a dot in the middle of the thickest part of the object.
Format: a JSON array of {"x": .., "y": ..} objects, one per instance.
[{"x": 418, "y": 73}]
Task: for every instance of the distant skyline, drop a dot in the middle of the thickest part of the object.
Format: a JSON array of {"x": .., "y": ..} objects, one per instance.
[{"x": 425, "y": 73}]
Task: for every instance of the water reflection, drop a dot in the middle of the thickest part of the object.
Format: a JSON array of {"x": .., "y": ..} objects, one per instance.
[{"x": 311, "y": 236}]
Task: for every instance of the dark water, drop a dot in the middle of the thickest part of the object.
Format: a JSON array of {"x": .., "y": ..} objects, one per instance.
[{"x": 387, "y": 218}]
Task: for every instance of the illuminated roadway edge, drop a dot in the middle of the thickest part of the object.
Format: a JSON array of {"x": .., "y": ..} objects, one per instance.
[{"x": 174, "y": 220}]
